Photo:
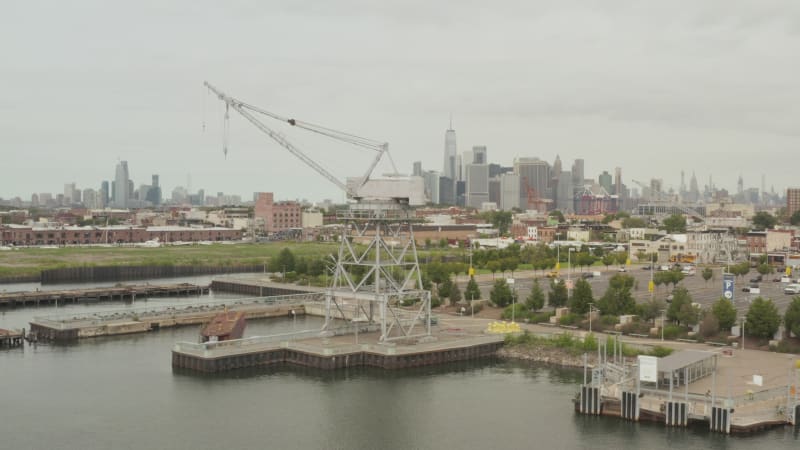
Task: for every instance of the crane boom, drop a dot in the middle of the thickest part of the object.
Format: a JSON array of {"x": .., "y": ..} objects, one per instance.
[{"x": 240, "y": 108}]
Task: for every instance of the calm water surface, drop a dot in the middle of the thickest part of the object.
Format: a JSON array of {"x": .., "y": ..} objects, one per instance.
[{"x": 121, "y": 393}]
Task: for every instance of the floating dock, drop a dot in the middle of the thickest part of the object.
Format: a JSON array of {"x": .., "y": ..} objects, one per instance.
[
  {"x": 310, "y": 349},
  {"x": 70, "y": 327},
  {"x": 121, "y": 293},
  {"x": 738, "y": 392},
  {"x": 11, "y": 338}
]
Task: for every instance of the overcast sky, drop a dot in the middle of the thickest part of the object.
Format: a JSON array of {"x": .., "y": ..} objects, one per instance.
[{"x": 653, "y": 87}]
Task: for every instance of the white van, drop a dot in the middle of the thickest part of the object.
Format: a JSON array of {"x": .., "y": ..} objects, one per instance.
[{"x": 792, "y": 289}]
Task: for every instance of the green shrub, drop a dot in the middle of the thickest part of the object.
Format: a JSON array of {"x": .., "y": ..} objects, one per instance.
[
  {"x": 435, "y": 302},
  {"x": 590, "y": 343},
  {"x": 660, "y": 352},
  {"x": 673, "y": 331},
  {"x": 539, "y": 317},
  {"x": 520, "y": 311},
  {"x": 568, "y": 319},
  {"x": 608, "y": 320}
]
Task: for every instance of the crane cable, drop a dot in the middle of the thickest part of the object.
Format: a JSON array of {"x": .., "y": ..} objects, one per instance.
[
  {"x": 226, "y": 130},
  {"x": 319, "y": 129}
]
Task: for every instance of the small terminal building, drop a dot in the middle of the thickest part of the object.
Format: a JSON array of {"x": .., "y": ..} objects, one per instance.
[{"x": 685, "y": 367}]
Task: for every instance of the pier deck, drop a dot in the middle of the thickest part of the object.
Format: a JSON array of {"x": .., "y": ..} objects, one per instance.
[
  {"x": 129, "y": 292},
  {"x": 308, "y": 348},
  {"x": 11, "y": 338},
  {"x": 138, "y": 320}
]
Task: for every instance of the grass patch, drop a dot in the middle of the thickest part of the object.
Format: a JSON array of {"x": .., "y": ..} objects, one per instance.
[{"x": 576, "y": 346}]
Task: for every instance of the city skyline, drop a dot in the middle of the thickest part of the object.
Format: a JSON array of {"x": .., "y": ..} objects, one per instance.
[{"x": 644, "y": 94}]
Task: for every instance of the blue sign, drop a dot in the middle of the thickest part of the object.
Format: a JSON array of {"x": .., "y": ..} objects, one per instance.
[{"x": 728, "y": 285}]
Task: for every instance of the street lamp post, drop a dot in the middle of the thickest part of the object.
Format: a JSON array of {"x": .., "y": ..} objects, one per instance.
[
  {"x": 663, "y": 322},
  {"x": 743, "y": 321},
  {"x": 591, "y": 305},
  {"x": 569, "y": 271}
]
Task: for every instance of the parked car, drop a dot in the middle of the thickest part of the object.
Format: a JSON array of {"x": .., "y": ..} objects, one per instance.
[
  {"x": 670, "y": 297},
  {"x": 792, "y": 289},
  {"x": 648, "y": 267},
  {"x": 757, "y": 279},
  {"x": 552, "y": 274},
  {"x": 587, "y": 275},
  {"x": 622, "y": 269},
  {"x": 663, "y": 268},
  {"x": 746, "y": 289}
]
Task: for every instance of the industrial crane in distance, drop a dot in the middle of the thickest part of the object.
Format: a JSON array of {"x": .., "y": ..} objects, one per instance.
[
  {"x": 383, "y": 273},
  {"x": 393, "y": 188}
]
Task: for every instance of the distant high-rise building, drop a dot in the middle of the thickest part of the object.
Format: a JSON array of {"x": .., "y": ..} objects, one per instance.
[
  {"x": 431, "y": 180},
  {"x": 122, "y": 186},
  {"x": 153, "y": 194},
  {"x": 417, "y": 168},
  {"x": 792, "y": 200},
  {"x": 69, "y": 193},
  {"x": 450, "y": 154},
  {"x": 91, "y": 199},
  {"x": 604, "y": 179},
  {"x": 104, "y": 194},
  {"x": 740, "y": 185},
  {"x": 556, "y": 172},
  {"x": 577, "y": 173},
  {"x": 447, "y": 191},
  {"x": 694, "y": 190},
  {"x": 565, "y": 200},
  {"x": 477, "y": 179},
  {"x": 534, "y": 178},
  {"x": 509, "y": 191},
  {"x": 618, "y": 181},
  {"x": 479, "y": 155}
]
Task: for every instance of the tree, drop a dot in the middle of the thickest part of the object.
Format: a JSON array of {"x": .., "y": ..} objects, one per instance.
[
  {"x": 707, "y": 274},
  {"x": 764, "y": 269},
  {"x": 499, "y": 219},
  {"x": 633, "y": 222},
  {"x": 501, "y": 294},
  {"x": 608, "y": 259},
  {"x": 677, "y": 310},
  {"x": 443, "y": 290},
  {"x": 795, "y": 218},
  {"x": 617, "y": 298},
  {"x": 675, "y": 223},
  {"x": 584, "y": 259},
  {"x": 581, "y": 297},
  {"x": 763, "y": 220},
  {"x": 535, "y": 300},
  {"x": 725, "y": 313},
  {"x": 622, "y": 257},
  {"x": 285, "y": 261},
  {"x": 792, "y": 317},
  {"x": 316, "y": 267},
  {"x": 557, "y": 297},
  {"x": 455, "y": 294},
  {"x": 763, "y": 319},
  {"x": 472, "y": 292},
  {"x": 493, "y": 266},
  {"x": 558, "y": 215}
]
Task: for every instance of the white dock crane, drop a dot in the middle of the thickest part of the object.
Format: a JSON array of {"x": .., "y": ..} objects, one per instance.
[{"x": 384, "y": 271}]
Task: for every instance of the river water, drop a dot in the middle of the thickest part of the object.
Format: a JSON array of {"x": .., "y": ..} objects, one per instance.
[{"x": 121, "y": 393}]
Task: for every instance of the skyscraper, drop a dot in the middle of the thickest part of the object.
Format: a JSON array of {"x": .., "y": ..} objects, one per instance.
[
  {"x": 577, "y": 173},
  {"x": 450, "y": 154},
  {"x": 604, "y": 179},
  {"x": 121, "y": 185},
  {"x": 477, "y": 178},
  {"x": 534, "y": 179},
  {"x": 417, "y": 169},
  {"x": 104, "y": 194}
]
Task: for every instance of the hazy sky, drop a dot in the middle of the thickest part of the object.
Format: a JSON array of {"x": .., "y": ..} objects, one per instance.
[{"x": 653, "y": 87}]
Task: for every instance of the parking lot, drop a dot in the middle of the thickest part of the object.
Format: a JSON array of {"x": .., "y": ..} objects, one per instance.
[{"x": 702, "y": 292}]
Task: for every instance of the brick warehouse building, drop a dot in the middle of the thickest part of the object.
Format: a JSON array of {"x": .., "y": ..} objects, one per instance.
[
  {"x": 277, "y": 216},
  {"x": 18, "y": 235}
]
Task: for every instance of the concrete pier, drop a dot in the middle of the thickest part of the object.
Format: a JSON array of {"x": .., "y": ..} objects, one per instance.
[
  {"x": 310, "y": 350},
  {"x": 121, "y": 293},
  {"x": 139, "y": 320}
]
